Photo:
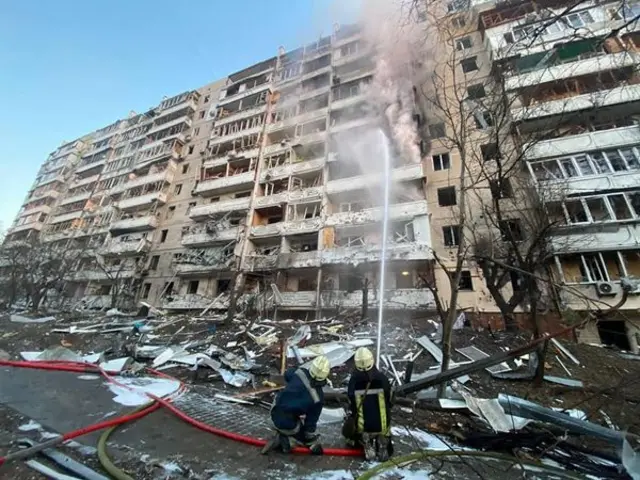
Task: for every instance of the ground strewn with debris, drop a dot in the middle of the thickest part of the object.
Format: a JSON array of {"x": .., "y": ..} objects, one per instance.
[{"x": 218, "y": 361}]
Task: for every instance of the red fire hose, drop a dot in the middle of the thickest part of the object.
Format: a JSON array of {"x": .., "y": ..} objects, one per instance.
[{"x": 90, "y": 368}]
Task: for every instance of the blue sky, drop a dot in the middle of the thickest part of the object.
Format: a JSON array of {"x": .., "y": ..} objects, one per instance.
[{"x": 68, "y": 67}]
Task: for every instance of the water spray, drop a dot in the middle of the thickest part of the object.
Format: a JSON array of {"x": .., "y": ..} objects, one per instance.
[{"x": 385, "y": 221}]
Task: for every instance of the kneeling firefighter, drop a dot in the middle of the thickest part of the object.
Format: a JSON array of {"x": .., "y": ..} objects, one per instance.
[
  {"x": 297, "y": 408},
  {"x": 370, "y": 400}
]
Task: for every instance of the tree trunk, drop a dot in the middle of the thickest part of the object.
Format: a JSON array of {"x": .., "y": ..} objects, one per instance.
[
  {"x": 365, "y": 299},
  {"x": 236, "y": 290},
  {"x": 447, "y": 329}
]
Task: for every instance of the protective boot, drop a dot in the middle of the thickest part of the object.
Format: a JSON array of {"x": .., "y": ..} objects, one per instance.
[
  {"x": 271, "y": 444},
  {"x": 384, "y": 448},
  {"x": 369, "y": 447}
]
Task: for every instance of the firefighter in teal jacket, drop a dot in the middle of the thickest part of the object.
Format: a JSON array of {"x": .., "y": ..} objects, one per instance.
[{"x": 297, "y": 408}]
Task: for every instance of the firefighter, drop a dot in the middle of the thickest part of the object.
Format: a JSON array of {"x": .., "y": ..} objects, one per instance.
[
  {"x": 370, "y": 399},
  {"x": 296, "y": 409}
]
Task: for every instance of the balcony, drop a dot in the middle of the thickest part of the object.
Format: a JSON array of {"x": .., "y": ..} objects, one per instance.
[
  {"x": 315, "y": 73},
  {"x": 138, "y": 224},
  {"x": 172, "y": 123},
  {"x": 601, "y": 238},
  {"x": 299, "y": 260},
  {"x": 295, "y": 227},
  {"x": 338, "y": 61},
  {"x": 99, "y": 275},
  {"x": 240, "y": 114},
  {"x": 189, "y": 103},
  {"x": 262, "y": 231},
  {"x": 91, "y": 166},
  {"x": 357, "y": 255},
  {"x": 204, "y": 239},
  {"x": 156, "y": 151},
  {"x": 46, "y": 194},
  {"x": 296, "y": 299},
  {"x": 130, "y": 247},
  {"x": 400, "y": 299},
  {"x": 399, "y": 212},
  {"x": 142, "y": 201},
  {"x": 246, "y": 93},
  {"x": 219, "y": 161},
  {"x": 347, "y": 102},
  {"x": 351, "y": 124},
  {"x": 228, "y": 137},
  {"x": 26, "y": 226},
  {"x": 76, "y": 198},
  {"x": 65, "y": 217},
  {"x": 577, "y": 68},
  {"x": 165, "y": 176},
  {"x": 58, "y": 177},
  {"x": 37, "y": 209},
  {"x": 589, "y": 101},
  {"x": 557, "y": 190},
  {"x": 223, "y": 206},
  {"x": 405, "y": 173},
  {"x": 190, "y": 269},
  {"x": 301, "y": 118},
  {"x": 84, "y": 181},
  {"x": 224, "y": 184},
  {"x": 296, "y": 168},
  {"x": 295, "y": 196},
  {"x": 261, "y": 262},
  {"x": 585, "y": 142}
]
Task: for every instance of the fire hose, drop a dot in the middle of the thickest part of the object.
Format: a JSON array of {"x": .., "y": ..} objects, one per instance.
[{"x": 155, "y": 404}]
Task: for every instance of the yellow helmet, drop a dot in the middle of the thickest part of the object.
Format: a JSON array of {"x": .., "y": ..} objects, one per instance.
[
  {"x": 364, "y": 359},
  {"x": 319, "y": 369}
]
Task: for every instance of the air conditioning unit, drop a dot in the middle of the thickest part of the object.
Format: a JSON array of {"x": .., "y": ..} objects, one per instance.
[
  {"x": 188, "y": 138},
  {"x": 605, "y": 289}
]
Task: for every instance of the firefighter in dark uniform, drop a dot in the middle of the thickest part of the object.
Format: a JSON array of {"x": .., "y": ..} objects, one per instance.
[
  {"x": 370, "y": 399},
  {"x": 297, "y": 408}
]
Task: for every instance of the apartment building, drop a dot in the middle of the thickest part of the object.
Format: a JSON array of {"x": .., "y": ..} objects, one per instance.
[
  {"x": 570, "y": 80},
  {"x": 249, "y": 183}
]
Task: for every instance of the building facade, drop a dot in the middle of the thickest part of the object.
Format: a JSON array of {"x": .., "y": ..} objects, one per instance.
[{"x": 246, "y": 184}]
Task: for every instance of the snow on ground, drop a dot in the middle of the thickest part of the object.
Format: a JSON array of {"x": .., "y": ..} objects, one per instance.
[
  {"x": 419, "y": 438},
  {"x": 28, "y": 427},
  {"x": 133, "y": 391}
]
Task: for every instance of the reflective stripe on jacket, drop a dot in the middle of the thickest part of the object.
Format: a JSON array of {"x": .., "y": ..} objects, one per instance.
[
  {"x": 299, "y": 398},
  {"x": 370, "y": 406}
]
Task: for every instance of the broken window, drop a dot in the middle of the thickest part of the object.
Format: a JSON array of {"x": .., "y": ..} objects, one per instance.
[
  {"x": 146, "y": 288},
  {"x": 465, "y": 283},
  {"x": 483, "y": 119},
  {"x": 598, "y": 209},
  {"x": 490, "y": 151},
  {"x": 620, "y": 207},
  {"x": 475, "y": 92},
  {"x": 441, "y": 161},
  {"x": 193, "y": 287},
  {"x": 469, "y": 65},
  {"x": 451, "y": 234},
  {"x": 171, "y": 211},
  {"x": 458, "y": 22},
  {"x": 185, "y": 167},
  {"x": 437, "y": 130},
  {"x": 501, "y": 188},
  {"x": 510, "y": 230},
  {"x": 447, "y": 196},
  {"x": 463, "y": 43},
  {"x": 163, "y": 235},
  {"x": 153, "y": 264}
]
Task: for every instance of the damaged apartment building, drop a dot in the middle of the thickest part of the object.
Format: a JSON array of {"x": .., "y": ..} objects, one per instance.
[{"x": 253, "y": 183}]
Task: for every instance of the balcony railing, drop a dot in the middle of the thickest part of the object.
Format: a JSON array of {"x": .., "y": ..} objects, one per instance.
[
  {"x": 130, "y": 247},
  {"x": 203, "y": 239},
  {"x": 140, "y": 201},
  {"x": 401, "y": 174},
  {"x": 356, "y": 255},
  {"x": 589, "y": 101},
  {"x": 604, "y": 238},
  {"x": 246, "y": 93},
  {"x": 157, "y": 151},
  {"x": 573, "y": 69},
  {"x": 138, "y": 224},
  {"x": 224, "y": 183},
  {"x": 401, "y": 299},
  {"x": 223, "y": 206},
  {"x": 166, "y": 176},
  {"x": 399, "y": 212},
  {"x": 600, "y": 140}
]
